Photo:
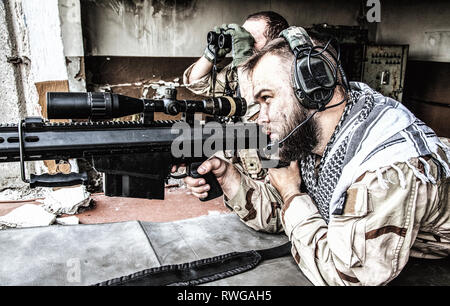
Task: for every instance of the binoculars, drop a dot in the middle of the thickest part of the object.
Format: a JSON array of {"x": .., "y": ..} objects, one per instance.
[{"x": 221, "y": 41}]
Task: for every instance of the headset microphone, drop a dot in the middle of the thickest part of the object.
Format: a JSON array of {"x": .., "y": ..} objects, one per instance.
[{"x": 280, "y": 143}]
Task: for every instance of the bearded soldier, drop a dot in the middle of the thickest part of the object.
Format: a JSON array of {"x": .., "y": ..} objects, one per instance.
[{"x": 368, "y": 182}]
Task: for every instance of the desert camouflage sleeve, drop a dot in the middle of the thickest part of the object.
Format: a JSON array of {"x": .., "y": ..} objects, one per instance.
[
  {"x": 257, "y": 203},
  {"x": 371, "y": 241},
  {"x": 203, "y": 86}
]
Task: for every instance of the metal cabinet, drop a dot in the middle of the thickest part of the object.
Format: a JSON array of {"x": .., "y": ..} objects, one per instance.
[{"x": 384, "y": 68}]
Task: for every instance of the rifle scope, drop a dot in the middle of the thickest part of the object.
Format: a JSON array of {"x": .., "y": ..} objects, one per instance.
[{"x": 105, "y": 106}]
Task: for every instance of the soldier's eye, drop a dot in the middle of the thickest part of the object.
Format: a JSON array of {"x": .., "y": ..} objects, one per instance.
[{"x": 265, "y": 98}]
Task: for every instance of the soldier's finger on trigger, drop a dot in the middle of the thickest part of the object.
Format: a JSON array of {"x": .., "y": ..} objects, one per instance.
[
  {"x": 176, "y": 168},
  {"x": 211, "y": 165},
  {"x": 205, "y": 167}
]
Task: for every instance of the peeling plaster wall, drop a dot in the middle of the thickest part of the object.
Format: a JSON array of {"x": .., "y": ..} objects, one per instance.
[
  {"x": 24, "y": 74},
  {"x": 9, "y": 95},
  {"x": 70, "y": 18},
  {"x": 72, "y": 39},
  {"x": 43, "y": 24},
  {"x": 17, "y": 86},
  {"x": 178, "y": 27},
  {"x": 31, "y": 34},
  {"x": 424, "y": 25}
]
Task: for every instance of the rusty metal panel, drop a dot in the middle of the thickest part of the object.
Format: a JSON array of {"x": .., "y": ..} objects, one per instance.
[{"x": 384, "y": 69}]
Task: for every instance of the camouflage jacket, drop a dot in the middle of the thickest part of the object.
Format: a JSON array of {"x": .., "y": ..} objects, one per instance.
[{"x": 371, "y": 241}]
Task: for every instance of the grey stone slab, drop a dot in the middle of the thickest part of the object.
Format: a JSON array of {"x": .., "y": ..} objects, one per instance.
[
  {"x": 209, "y": 236},
  {"x": 206, "y": 236},
  {"x": 73, "y": 255},
  {"x": 88, "y": 254}
]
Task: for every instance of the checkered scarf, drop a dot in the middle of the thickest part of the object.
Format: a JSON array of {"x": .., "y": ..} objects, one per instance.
[{"x": 374, "y": 132}]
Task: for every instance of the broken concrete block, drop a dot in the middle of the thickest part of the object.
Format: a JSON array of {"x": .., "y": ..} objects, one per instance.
[
  {"x": 27, "y": 215},
  {"x": 72, "y": 220},
  {"x": 67, "y": 200}
]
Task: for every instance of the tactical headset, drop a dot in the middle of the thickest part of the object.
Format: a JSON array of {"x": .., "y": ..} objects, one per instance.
[{"x": 315, "y": 76}]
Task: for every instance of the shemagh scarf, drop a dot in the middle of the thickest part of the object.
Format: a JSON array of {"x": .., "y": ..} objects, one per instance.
[{"x": 374, "y": 132}]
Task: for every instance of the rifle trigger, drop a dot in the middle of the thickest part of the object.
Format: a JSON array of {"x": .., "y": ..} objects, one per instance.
[{"x": 179, "y": 175}]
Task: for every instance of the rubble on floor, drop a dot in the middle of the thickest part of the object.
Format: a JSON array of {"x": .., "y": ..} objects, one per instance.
[
  {"x": 64, "y": 201},
  {"x": 23, "y": 193},
  {"x": 67, "y": 200},
  {"x": 28, "y": 215},
  {"x": 72, "y": 220},
  {"x": 178, "y": 204}
]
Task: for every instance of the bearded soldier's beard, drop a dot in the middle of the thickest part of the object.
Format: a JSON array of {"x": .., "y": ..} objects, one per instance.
[{"x": 303, "y": 140}]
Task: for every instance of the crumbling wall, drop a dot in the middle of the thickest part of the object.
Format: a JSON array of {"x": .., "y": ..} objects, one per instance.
[
  {"x": 17, "y": 93},
  {"x": 33, "y": 61},
  {"x": 9, "y": 95},
  {"x": 424, "y": 26},
  {"x": 178, "y": 27},
  {"x": 163, "y": 28},
  {"x": 72, "y": 39}
]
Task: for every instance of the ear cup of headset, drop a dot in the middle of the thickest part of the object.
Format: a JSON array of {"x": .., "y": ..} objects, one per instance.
[
  {"x": 313, "y": 81},
  {"x": 315, "y": 75}
]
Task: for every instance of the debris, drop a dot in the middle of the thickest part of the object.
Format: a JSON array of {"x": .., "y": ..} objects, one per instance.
[
  {"x": 72, "y": 220},
  {"x": 27, "y": 215},
  {"x": 172, "y": 186},
  {"x": 172, "y": 182},
  {"x": 67, "y": 200},
  {"x": 23, "y": 193}
]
